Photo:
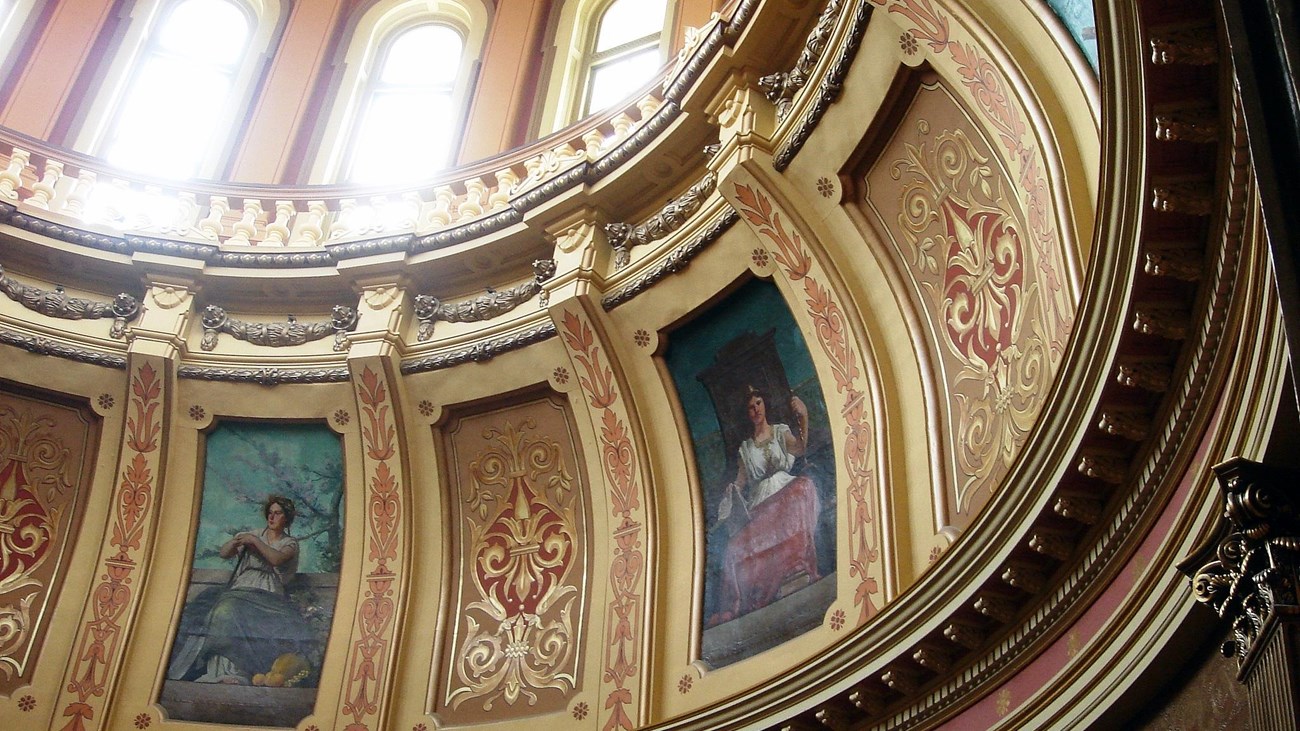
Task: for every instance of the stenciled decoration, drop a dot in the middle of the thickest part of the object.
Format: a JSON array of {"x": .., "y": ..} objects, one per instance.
[
  {"x": 625, "y": 610},
  {"x": 1252, "y": 579},
  {"x": 832, "y": 328},
  {"x": 99, "y": 642},
  {"x": 967, "y": 253},
  {"x": 521, "y": 594},
  {"x": 42, "y": 447},
  {"x": 623, "y": 236},
  {"x": 57, "y": 303},
  {"x": 343, "y": 319},
  {"x": 430, "y": 309}
]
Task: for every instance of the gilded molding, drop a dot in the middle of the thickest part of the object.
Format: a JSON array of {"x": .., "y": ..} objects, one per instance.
[
  {"x": 675, "y": 262},
  {"x": 493, "y": 303},
  {"x": 1197, "y": 125},
  {"x": 481, "y": 351},
  {"x": 1196, "y": 46},
  {"x": 56, "y": 303},
  {"x": 827, "y": 91},
  {"x": 624, "y": 236},
  {"x": 215, "y": 320}
]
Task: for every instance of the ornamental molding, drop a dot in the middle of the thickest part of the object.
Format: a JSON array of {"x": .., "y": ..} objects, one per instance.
[
  {"x": 481, "y": 351},
  {"x": 46, "y": 346},
  {"x": 827, "y": 91},
  {"x": 1250, "y": 574},
  {"x": 215, "y": 320},
  {"x": 676, "y": 261},
  {"x": 624, "y": 236},
  {"x": 265, "y": 376},
  {"x": 780, "y": 87},
  {"x": 57, "y": 303},
  {"x": 493, "y": 303}
]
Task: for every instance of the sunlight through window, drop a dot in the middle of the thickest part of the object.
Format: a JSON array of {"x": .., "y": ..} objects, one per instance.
[
  {"x": 167, "y": 121},
  {"x": 407, "y": 125},
  {"x": 626, "y": 53}
]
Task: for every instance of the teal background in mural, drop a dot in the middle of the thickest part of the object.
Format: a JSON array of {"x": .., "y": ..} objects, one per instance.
[
  {"x": 751, "y": 338},
  {"x": 1079, "y": 17},
  {"x": 246, "y": 461}
]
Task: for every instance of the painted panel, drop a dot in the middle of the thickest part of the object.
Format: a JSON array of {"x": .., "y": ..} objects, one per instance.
[
  {"x": 520, "y": 528},
  {"x": 959, "y": 237},
  {"x": 46, "y": 464},
  {"x": 758, "y": 427},
  {"x": 260, "y": 601}
]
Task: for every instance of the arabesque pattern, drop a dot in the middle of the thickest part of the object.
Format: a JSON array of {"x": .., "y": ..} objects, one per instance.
[
  {"x": 99, "y": 643},
  {"x": 626, "y": 607},
  {"x": 517, "y": 621}
]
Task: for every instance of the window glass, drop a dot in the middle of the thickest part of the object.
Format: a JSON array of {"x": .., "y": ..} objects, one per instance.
[
  {"x": 166, "y": 121},
  {"x": 406, "y": 127},
  {"x": 612, "y": 81},
  {"x": 629, "y": 20}
]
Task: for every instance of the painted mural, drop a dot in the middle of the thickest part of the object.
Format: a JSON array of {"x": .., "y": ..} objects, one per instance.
[
  {"x": 759, "y": 432},
  {"x": 252, "y": 634}
]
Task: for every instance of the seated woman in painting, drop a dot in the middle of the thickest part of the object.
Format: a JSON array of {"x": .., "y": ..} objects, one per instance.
[
  {"x": 772, "y": 512},
  {"x": 235, "y": 634}
]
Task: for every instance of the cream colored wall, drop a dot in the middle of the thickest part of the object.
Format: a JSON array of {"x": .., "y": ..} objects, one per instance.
[{"x": 892, "y": 476}]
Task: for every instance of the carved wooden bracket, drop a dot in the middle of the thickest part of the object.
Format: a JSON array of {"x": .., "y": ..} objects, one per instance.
[
  {"x": 623, "y": 236},
  {"x": 343, "y": 320},
  {"x": 56, "y": 303},
  {"x": 494, "y": 302}
]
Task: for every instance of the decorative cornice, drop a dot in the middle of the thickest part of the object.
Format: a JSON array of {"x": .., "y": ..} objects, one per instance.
[
  {"x": 781, "y": 87},
  {"x": 430, "y": 309},
  {"x": 45, "y": 346},
  {"x": 623, "y": 236},
  {"x": 481, "y": 351},
  {"x": 674, "y": 262},
  {"x": 265, "y": 376},
  {"x": 56, "y": 303},
  {"x": 827, "y": 91},
  {"x": 343, "y": 319}
]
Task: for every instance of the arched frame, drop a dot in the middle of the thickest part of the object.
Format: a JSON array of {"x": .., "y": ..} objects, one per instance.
[
  {"x": 364, "y": 56},
  {"x": 574, "y": 40}
]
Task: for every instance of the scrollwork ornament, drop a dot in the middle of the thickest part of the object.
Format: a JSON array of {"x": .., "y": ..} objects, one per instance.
[
  {"x": 1253, "y": 569},
  {"x": 216, "y": 320},
  {"x": 492, "y": 303},
  {"x": 57, "y": 303},
  {"x": 622, "y": 236}
]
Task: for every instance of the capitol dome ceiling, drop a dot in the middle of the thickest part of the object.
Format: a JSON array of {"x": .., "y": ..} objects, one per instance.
[{"x": 863, "y": 368}]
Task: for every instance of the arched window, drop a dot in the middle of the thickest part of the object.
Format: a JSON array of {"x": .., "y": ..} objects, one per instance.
[
  {"x": 603, "y": 51},
  {"x": 167, "y": 120},
  {"x": 13, "y": 16},
  {"x": 625, "y": 53},
  {"x": 407, "y": 123}
]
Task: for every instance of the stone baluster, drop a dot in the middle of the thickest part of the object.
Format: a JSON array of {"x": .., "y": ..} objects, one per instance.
[
  {"x": 475, "y": 194},
  {"x": 11, "y": 178},
  {"x": 309, "y": 226},
  {"x": 647, "y": 106},
  {"x": 43, "y": 190},
  {"x": 622, "y": 125},
  {"x": 245, "y": 229},
  {"x": 500, "y": 198},
  {"x": 75, "y": 205},
  {"x": 440, "y": 214},
  {"x": 343, "y": 220},
  {"x": 212, "y": 226},
  {"x": 594, "y": 141},
  {"x": 277, "y": 231}
]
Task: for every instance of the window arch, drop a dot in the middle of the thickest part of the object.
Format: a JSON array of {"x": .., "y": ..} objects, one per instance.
[
  {"x": 604, "y": 49},
  {"x": 398, "y": 112},
  {"x": 178, "y": 85}
]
